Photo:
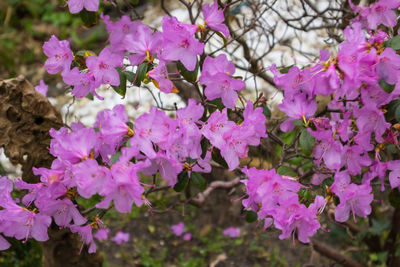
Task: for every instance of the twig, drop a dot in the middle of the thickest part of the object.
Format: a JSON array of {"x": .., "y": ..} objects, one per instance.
[{"x": 333, "y": 254}]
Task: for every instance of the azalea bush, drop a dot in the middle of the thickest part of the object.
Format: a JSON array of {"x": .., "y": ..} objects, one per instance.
[{"x": 329, "y": 161}]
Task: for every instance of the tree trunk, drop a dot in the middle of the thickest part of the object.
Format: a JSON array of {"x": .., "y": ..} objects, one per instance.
[{"x": 26, "y": 117}]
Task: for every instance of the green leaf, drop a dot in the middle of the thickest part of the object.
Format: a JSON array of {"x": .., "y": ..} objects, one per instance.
[
  {"x": 286, "y": 171},
  {"x": 115, "y": 157},
  {"x": 80, "y": 53},
  {"x": 204, "y": 147},
  {"x": 308, "y": 195},
  {"x": 298, "y": 122},
  {"x": 306, "y": 141},
  {"x": 183, "y": 180},
  {"x": 141, "y": 73},
  {"x": 222, "y": 37},
  {"x": 285, "y": 69},
  {"x": 379, "y": 226},
  {"x": 394, "y": 198},
  {"x": 251, "y": 216},
  {"x": 190, "y": 160},
  {"x": 188, "y": 75},
  {"x": 382, "y": 256},
  {"x": 394, "y": 43},
  {"x": 90, "y": 96},
  {"x": 217, "y": 102},
  {"x": 2, "y": 170},
  {"x": 288, "y": 137},
  {"x": 121, "y": 89},
  {"x": 198, "y": 180},
  {"x": 130, "y": 76},
  {"x": 88, "y": 18},
  {"x": 266, "y": 111},
  {"x": 327, "y": 182},
  {"x": 216, "y": 156},
  {"x": 388, "y": 88},
  {"x": 130, "y": 124},
  {"x": 391, "y": 110},
  {"x": 397, "y": 113}
]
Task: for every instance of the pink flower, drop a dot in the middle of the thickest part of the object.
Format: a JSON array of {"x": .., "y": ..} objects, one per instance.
[
  {"x": 216, "y": 76},
  {"x": 144, "y": 44},
  {"x": 168, "y": 167},
  {"x": 394, "y": 176},
  {"x": 214, "y": 18},
  {"x": 90, "y": 178},
  {"x": 380, "y": 12},
  {"x": 353, "y": 197},
  {"x": 179, "y": 43},
  {"x": 42, "y": 88},
  {"x": 119, "y": 30},
  {"x": 102, "y": 234},
  {"x": 86, "y": 235},
  {"x": 83, "y": 83},
  {"x": 389, "y": 66},
  {"x": 59, "y": 55},
  {"x": 187, "y": 236},
  {"x": 178, "y": 229},
  {"x": 74, "y": 146},
  {"x": 113, "y": 127},
  {"x": 4, "y": 243},
  {"x": 124, "y": 188},
  {"x": 103, "y": 66},
  {"x": 160, "y": 75},
  {"x": 121, "y": 237},
  {"x": 63, "y": 212},
  {"x": 76, "y": 6},
  {"x": 23, "y": 224},
  {"x": 216, "y": 126},
  {"x": 232, "y": 232}
]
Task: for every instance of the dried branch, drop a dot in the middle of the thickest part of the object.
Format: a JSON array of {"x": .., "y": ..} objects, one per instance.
[
  {"x": 200, "y": 198},
  {"x": 333, "y": 254}
]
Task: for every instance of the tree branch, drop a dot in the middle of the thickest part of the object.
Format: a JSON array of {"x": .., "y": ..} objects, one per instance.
[{"x": 333, "y": 254}]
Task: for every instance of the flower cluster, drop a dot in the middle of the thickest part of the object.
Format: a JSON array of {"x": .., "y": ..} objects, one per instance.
[
  {"x": 352, "y": 130},
  {"x": 380, "y": 12},
  {"x": 138, "y": 42},
  {"x": 276, "y": 201},
  {"x": 106, "y": 160}
]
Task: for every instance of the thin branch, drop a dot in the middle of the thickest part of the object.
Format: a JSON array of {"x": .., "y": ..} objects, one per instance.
[{"x": 333, "y": 254}]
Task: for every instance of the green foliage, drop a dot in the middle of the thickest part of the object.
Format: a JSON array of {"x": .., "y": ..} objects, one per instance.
[
  {"x": 115, "y": 157},
  {"x": 89, "y": 18},
  {"x": 140, "y": 75},
  {"x": 121, "y": 88},
  {"x": 183, "y": 180},
  {"x": 251, "y": 216},
  {"x": 266, "y": 111},
  {"x": 286, "y": 171},
  {"x": 198, "y": 180},
  {"x": 394, "y": 43},
  {"x": 216, "y": 156},
  {"x": 388, "y": 88},
  {"x": 29, "y": 24},
  {"x": 394, "y": 198},
  {"x": 188, "y": 75},
  {"x": 306, "y": 141},
  {"x": 20, "y": 254}
]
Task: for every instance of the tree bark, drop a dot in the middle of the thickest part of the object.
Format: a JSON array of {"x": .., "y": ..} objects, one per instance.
[{"x": 26, "y": 117}]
